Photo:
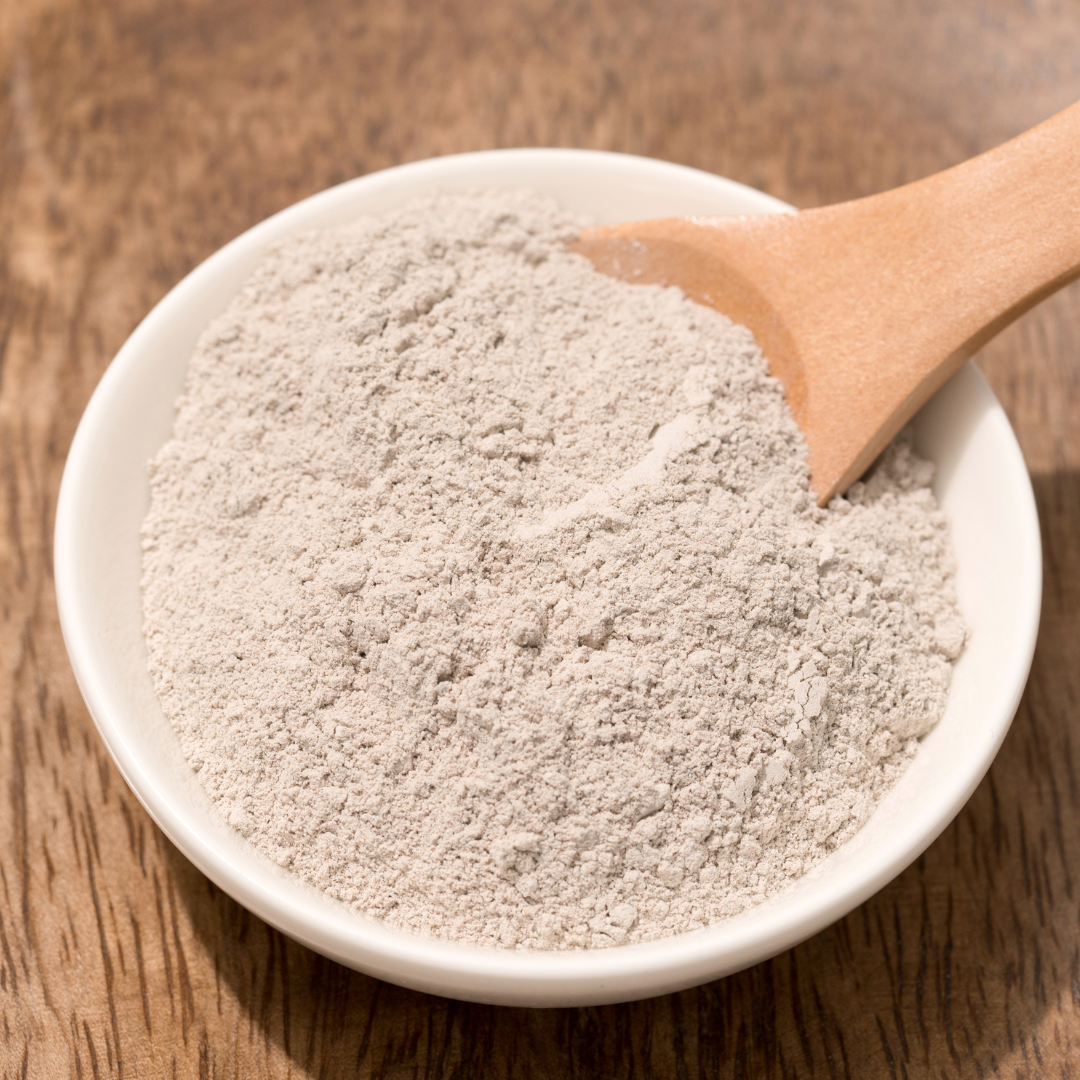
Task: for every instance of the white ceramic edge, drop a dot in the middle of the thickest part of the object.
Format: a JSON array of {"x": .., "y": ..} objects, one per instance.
[{"x": 494, "y": 975}]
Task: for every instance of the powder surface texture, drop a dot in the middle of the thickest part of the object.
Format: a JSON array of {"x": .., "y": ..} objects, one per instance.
[{"x": 489, "y": 594}]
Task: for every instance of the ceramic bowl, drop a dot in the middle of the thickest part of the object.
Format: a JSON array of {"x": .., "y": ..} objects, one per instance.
[{"x": 981, "y": 482}]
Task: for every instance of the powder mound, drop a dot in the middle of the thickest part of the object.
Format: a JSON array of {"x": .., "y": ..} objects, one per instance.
[{"x": 489, "y": 594}]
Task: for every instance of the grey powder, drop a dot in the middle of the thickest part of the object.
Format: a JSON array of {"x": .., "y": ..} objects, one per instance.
[{"x": 489, "y": 594}]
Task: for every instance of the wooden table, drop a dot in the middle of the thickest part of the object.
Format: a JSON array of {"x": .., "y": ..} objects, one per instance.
[{"x": 137, "y": 138}]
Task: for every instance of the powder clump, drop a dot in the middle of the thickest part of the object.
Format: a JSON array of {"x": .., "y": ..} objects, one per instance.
[{"x": 489, "y": 594}]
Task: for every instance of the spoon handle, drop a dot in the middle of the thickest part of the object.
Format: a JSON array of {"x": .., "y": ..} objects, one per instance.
[
  {"x": 865, "y": 308},
  {"x": 924, "y": 275},
  {"x": 975, "y": 246}
]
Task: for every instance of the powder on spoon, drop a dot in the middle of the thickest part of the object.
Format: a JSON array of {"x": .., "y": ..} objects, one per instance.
[{"x": 489, "y": 594}]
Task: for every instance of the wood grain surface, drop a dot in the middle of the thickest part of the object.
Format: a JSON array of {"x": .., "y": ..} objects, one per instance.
[{"x": 135, "y": 138}]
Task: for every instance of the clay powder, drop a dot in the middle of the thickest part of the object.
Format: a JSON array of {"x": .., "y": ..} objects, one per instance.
[{"x": 489, "y": 594}]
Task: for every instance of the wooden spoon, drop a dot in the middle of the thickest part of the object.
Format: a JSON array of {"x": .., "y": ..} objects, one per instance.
[{"x": 865, "y": 308}]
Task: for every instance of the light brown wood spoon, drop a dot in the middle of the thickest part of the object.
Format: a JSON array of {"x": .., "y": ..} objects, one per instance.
[{"x": 865, "y": 308}]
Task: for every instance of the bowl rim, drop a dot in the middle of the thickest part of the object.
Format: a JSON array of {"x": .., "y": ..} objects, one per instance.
[{"x": 476, "y": 972}]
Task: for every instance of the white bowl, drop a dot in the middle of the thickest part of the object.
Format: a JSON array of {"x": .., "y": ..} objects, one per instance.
[{"x": 981, "y": 483}]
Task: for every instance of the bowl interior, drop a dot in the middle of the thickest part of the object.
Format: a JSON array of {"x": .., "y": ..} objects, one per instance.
[{"x": 981, "y": 483}]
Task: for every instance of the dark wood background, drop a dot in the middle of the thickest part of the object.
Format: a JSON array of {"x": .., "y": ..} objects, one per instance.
[{"x": 135, "y": 138}]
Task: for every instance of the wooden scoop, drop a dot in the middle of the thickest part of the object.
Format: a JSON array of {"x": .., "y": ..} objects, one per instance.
[{"x": 865, "y": 308}]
